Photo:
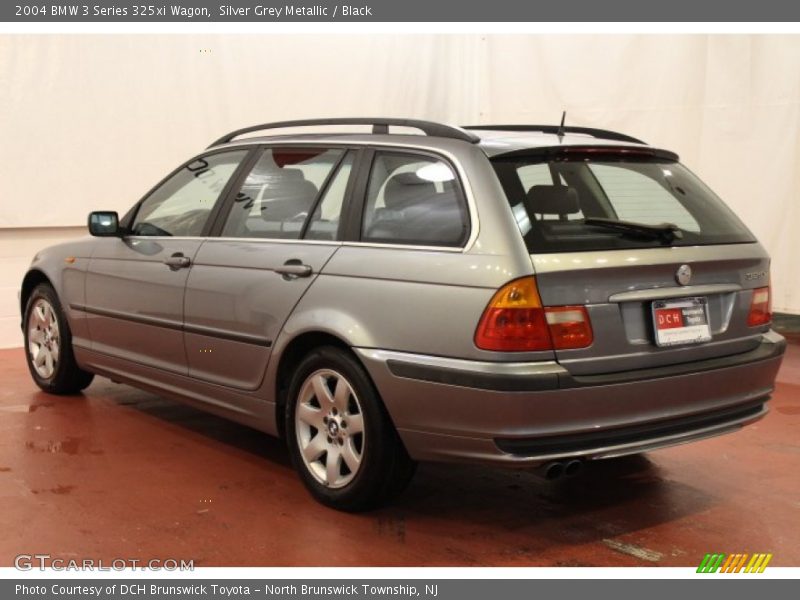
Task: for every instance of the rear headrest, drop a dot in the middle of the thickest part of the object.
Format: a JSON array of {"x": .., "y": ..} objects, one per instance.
[
  {"x": 287, "y": 192},
  {"x": 292, "y": 174},
  {"x": 552, "y": 200},
  {"x": 406, "y": 189}
]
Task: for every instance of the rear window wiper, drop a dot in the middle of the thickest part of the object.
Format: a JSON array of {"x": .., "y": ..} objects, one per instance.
[{"x": 665, "y": 231}]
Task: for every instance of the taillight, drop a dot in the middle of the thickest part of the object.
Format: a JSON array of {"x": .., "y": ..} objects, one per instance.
[
  {"x": 569, "y": 327},
  {"x": 516, "y": 321},
  {"x": 760, "y": 307}
]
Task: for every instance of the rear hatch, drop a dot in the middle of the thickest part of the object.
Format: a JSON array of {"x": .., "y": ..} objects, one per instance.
[{"x": 666, "y": 271}]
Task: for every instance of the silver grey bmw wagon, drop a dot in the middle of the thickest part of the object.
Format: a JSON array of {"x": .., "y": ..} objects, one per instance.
[{"x": 528, "y": 296}]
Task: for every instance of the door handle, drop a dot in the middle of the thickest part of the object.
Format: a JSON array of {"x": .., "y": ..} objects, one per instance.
[
  {"x": 177, "y": 261},
  {"x": 293, "y": 268}
]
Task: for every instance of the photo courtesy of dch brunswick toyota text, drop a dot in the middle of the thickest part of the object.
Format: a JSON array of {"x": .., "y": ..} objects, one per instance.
[{"x": 426, "y": 300}]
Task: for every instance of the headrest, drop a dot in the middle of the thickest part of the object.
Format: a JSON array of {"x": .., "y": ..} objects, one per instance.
[
  {"x": 407, "y": 189},
  {"x": 292, "y": 174},
  {"x": 285, "y": 192},
  {"x": 552, "y": 200}
]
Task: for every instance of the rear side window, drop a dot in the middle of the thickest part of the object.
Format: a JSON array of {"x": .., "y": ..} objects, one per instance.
[
  {"x": 413, "y": 199},
  {"x": 554, "y": 201},
  {"x": 281, "y": 192}
]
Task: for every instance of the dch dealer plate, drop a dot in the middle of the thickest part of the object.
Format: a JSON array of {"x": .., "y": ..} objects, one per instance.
[{"x": 681, "y": 321}]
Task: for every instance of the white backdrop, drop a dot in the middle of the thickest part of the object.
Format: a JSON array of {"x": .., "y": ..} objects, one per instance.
[{"x": 92, "y": 121}]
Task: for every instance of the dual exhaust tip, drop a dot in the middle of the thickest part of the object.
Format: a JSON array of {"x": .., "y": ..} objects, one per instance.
[{"x": 557, "y": 469}]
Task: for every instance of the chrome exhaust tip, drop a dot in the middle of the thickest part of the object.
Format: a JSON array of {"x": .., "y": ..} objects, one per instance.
[
  {"x": 552, "y": 471},
  {"x": 572, "y": 468}
]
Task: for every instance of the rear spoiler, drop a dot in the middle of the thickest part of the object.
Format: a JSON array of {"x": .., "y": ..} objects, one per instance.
[{"x": 594, "y": 151}]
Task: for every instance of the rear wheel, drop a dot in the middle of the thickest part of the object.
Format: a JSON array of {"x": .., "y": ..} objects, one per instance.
[
  {"x": 340, "y": 437},
  {"x": 48, "y": 345}
]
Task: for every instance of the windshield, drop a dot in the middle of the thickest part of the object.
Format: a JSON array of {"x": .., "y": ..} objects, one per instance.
[{"x": 580, "y": 202}]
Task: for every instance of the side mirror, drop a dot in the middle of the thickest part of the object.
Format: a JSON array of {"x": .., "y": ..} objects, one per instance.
[{"x": 104, "y": 223}]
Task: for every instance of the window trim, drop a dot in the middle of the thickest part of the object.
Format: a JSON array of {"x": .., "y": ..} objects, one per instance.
[
  {"x": 130, "y": 217},
  {"x": 360, "y": 200},
  {"x": 351, "y": 232},
  {"x": 361, "y": 147},
  {"x": 323, "y": 190}
]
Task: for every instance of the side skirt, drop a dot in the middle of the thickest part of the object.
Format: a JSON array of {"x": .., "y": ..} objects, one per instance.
[{"x": 242, "y": 408}]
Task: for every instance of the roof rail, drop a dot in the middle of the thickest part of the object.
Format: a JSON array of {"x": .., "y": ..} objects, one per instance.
[
  {"x": 379, "y": 125},
  {"x": 598, "y": 133}
]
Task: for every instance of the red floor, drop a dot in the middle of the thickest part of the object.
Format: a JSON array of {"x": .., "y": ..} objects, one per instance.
[{"x": 120, "y": 473}]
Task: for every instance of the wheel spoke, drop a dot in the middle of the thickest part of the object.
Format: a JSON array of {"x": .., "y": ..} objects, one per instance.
[
  {"x": 315, "y": 448},
  {"x": 355, "y": 424},
  {"x": 54, "y": 351},
  {"x": 341, "y": 395},
  {"x": 47, "y": 315},
  {"x": 39, "y": 359},
  {"x": 38, "y": 314},
  {"x": 351, "y": 458},
  {"x": 321, "y": 390},
  {"x": 333, "y": 466},
  {"x": 48, "y": 361},
  {"x": 310, "y": 415},
  {"x": 35, "y": 336}
]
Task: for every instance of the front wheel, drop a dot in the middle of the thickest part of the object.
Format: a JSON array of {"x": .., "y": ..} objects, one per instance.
[
  {"x": 340, "y": 437},
  {"x": 48, "y": 345}
]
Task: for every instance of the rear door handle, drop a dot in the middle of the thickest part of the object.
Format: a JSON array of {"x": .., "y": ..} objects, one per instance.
[
  {"x": 177, "y": 261},
  {"x": 293, "y": 269}
]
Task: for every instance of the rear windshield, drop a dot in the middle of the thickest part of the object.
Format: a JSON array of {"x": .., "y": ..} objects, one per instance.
[{"x": 552, "y": 198}]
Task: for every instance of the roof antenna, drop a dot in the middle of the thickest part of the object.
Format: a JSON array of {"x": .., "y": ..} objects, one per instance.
[{"x": 561, "y": 130}]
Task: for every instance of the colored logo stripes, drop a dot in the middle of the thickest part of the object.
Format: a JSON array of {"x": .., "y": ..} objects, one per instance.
[{"x": 734, "y": 563}]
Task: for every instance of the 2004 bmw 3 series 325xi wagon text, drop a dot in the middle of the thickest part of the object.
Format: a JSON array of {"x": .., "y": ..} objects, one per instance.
[{"x": 528, "y": 296}]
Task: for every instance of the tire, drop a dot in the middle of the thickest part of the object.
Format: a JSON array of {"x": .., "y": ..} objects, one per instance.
[
  {"x": 334, "y": 411},
  {"x": 48, "y": 345}
]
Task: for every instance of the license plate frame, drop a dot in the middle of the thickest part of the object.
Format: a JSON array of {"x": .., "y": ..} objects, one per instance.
[{"x": 681, "y": 321}]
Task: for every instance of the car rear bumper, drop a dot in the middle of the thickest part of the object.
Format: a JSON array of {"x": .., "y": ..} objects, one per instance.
[{"x": 526, "y": 414}]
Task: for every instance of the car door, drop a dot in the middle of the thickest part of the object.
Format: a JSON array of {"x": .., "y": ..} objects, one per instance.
[
  {"x": 135, "y": 283},
  {"x": 275, "y": 235}
]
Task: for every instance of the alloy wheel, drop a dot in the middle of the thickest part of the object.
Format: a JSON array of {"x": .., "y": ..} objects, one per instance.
[
  {"x": 329, "y": 424},
  {"x": 44, "y": 339}
]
